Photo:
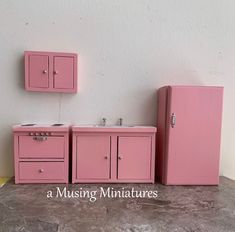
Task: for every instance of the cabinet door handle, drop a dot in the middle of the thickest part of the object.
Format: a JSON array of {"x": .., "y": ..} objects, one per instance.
[
  {"x": 55, "y": 72},
  {"x": 106, "y": 157},
  {"x": 173, "y": 120},
  {"x": 119, "y": 157},
  {"x": 41, "y": 170},
  {"x": 44, "y": 71}
]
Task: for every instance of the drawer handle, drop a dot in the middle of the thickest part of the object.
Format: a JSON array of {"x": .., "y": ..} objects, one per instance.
[
  {"x": 106, "y": 157},
  {"x": 40, "y": 138},
  {"x": 119, "y": 157},
  {"x": 41, "y": 170}
]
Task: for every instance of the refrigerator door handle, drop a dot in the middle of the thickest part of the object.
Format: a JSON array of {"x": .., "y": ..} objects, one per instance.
[{"x": 173, "y": 120}]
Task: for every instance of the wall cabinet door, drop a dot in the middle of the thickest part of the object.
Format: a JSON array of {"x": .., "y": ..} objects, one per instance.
[
  {"x": 93, "y": 157},
  {"x": 38, "y": 71},
  {"x": 134, "y": 158},
  {"x": 63, "y": 72}
]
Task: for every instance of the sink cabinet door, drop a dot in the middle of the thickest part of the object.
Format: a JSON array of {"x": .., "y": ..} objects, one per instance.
[
  {"x": 134, "y": 158},
  {"x": 93, "y": 157}
]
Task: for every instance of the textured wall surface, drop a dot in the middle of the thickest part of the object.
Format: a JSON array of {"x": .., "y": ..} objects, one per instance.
[{"x": 127, "y": 49}]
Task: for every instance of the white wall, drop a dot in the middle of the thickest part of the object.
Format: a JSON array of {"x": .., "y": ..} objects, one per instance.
[{"x": 127, "y": 49}]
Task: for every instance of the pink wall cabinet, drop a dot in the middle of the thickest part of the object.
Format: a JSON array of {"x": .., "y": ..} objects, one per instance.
[
  {"x": 41, "y": 153},
  {"x": 110, "y": 156},
  {"x": 51, "y": 72},
  {"x": 189, "y": 130}
]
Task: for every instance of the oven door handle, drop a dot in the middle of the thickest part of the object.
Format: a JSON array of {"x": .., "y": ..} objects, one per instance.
[{"x": 40, "y": 138}]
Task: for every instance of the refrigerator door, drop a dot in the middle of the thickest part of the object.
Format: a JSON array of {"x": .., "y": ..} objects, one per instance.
[{"x": 193, "y": 135}]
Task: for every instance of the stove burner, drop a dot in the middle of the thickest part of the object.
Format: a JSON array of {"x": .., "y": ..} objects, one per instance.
[
  {"x": 58, "y": 124},
  {"x": 28, "y": 124}
]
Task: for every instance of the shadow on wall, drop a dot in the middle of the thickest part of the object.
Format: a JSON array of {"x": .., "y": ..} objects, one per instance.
[
  {"x": 149, "y": 111},
  {"x": 20, "y": 68}
]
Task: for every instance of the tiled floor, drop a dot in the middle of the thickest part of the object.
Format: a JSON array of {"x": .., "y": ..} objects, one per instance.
[{"x": 182, "y": 208}]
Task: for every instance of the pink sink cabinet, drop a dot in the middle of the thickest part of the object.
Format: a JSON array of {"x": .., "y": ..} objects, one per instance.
[
  {"x": 51, "y": 72},
  {"x": 188, "y": 139},
  {"x": 113, "y": 154},
  {"x": 41, "y": 153}
]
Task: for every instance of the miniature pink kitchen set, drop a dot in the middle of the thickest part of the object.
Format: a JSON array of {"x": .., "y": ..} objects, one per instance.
[{"x": 187, "y": 137}]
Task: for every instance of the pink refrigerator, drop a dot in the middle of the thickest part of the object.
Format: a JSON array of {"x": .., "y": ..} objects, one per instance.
[{"x": 188, "y": 139}]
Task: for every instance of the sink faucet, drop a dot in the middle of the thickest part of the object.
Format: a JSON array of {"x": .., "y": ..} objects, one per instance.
[
  {"x": 120, "y": 121},
  {"x": 103, "y": 123}
]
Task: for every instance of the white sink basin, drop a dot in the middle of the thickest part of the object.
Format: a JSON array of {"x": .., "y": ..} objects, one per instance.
[{"x": 113, "y": 128}]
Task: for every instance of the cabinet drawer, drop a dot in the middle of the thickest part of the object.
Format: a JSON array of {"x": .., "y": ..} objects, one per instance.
[
  {"x": 41, "y": 170},
  {"x": 41, "y": 147}
]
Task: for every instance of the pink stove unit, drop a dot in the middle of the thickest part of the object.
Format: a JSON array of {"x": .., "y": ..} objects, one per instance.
[
  {"x": 188, "y": 139},
  {"x": 41, "y": 153}
]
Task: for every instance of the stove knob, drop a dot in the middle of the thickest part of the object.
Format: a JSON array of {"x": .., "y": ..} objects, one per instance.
[
  {"x": 47, "y": 134},
  {"x": 36, "y": 133},
  {"x": 31, "y": 134},
  {"x": 42, "y": 134}
]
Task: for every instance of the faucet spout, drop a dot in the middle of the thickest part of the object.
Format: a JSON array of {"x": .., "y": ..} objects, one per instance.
[
  {"x": 103, "y": 123},
  {"x": 120, "y": 121}
]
